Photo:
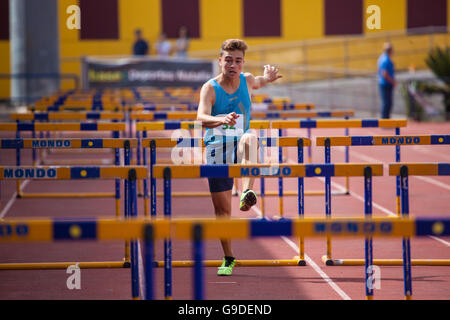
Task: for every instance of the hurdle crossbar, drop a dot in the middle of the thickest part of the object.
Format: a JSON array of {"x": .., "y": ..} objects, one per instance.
[
  {"x": 62, "y": 126},
  {"x": 255, "y": 115},
  {"x": 49, "y": 116},
  {"x": 267, "y": 170},
  {"x": 281, "y": 124},
  {"x": 75, "y": 229},
  {"x": 198, "y": 230},
  {"x": 64, "y": 143},
  {"x": 406, "y": 140},
  {"x": 70, "y": 173}
]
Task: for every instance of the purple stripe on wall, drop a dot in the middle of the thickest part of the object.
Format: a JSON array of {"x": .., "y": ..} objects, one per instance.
[
  {"x": 4, "y": 19},
  {"x": 262, "y": 18},
  {"x": 99, "y": 19},
  {"x": 178, "y": 13},
  {"x": 424, "y": 13},
  {"x": 343, "y": 17}
]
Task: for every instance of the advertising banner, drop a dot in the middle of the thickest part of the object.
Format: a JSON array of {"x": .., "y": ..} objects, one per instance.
[{"x": 139, "y": 72}]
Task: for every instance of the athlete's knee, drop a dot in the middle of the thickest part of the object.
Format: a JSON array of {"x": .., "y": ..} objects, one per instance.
[
  {"x": 249, "y": 147},
  {"x": 249, "y": 139}
]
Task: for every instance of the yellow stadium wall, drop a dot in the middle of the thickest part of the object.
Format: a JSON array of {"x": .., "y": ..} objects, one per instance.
[
  {"x": 4, "y": 68},
  {"x": 221, "y": 19}
]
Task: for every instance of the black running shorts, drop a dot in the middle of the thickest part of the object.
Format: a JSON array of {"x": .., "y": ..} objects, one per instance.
[{"x": 220, "y": 184}]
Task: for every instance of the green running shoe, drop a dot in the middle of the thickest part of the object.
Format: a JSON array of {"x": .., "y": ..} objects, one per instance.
[
  {"x": 227, "y": 267},
  {"x": 248, "y": 199}
]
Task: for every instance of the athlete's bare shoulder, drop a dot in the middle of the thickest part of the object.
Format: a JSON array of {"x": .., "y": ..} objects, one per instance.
[
  {"x": 250, "y": 79},
  {"x": 207, "y": 93}
]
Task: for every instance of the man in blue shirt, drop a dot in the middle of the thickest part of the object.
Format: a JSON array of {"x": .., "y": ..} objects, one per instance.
[
  {"x": 386, "y": 80},
  {"x": 140, "y": 47}
]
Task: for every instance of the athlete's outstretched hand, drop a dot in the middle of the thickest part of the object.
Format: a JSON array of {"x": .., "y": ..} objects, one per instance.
[{"x": 271, "y": 73}]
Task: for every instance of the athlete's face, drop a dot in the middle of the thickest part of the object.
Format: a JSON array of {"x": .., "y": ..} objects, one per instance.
[{"x": 231, "y": 63}]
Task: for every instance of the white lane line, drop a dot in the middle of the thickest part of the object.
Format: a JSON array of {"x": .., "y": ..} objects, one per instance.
[
  {"x": 433, "y": 181},
  {"x": 316, "y": 268},
  {"x": 441, "y": 240},
  {"x": 427, "y": 151},
  {"x": 311, "y": 263},
  {"x": 11, "y": 200}
]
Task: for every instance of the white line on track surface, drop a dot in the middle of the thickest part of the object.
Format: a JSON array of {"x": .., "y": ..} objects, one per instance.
[
  {"x": 311, "y": 263},
  {"x": 11, "y": 200}
]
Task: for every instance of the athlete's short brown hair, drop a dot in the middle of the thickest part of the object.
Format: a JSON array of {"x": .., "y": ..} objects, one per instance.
[{"x": 232, "y": 45}]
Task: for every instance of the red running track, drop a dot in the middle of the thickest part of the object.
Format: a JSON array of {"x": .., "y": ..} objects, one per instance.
[{"x": 428, "y": 197}]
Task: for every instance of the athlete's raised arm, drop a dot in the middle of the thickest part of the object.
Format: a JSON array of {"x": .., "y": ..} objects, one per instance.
[{"x": 270, "y": 75}]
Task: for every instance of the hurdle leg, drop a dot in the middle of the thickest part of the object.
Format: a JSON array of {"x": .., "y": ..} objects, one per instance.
[
  {"x": 310, "y": 147},
  {"x": 280, "y": 180},
  {"x": 144, "y": 162},
  {"x": 368, "y": 249},
  {"x": 126, "y": 151},
  {"x": 149, "y": 257},
  {"x": 397, "y": 179},
  {"x": 33, "y": 151},
  {"x": 406, "y": 245},
  {"x": 18, "y": 182},
  {"x": 138, "y": 160},
  {"x": 117, "y": 181},
  {"x": 329, "y": 260},
  {"x": 153, "y": 193},
  {"x": 198, "y": 262},
  {"x": 347, "y": 160},
  {"x": 301, "y": 202},
  {"x": 167, "y": 242},
  {"x": 261, "y": 180},
  {"x": 134, "y": 253}
]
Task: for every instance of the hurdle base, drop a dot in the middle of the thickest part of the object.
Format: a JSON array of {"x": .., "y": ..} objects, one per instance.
[
  {"x": 328, "y": 261},
  {"x": 64, "y": 265},
  {"x": 385, "y": 262},
  {"x": 77, "y": 162},
  {"x": 300, "y": 262},
  {"x": 239, "y": 263},
  {"x": 266, "y": 194},
  {"x": 67, "y": 195}
]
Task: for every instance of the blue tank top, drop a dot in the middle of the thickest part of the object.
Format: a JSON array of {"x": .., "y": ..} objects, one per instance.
[{"x": 226, "y": 103}]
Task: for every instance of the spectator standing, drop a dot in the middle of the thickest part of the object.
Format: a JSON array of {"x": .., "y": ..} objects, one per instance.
[
  {"x": 140, "y": 46},
  {"x": 163, "y": 46},
  {"x": 386, "y": 80},
  {"x": 182, "y": 43}
]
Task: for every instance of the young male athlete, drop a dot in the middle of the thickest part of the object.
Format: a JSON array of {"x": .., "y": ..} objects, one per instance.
[{"x": 224, "y": 110}]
